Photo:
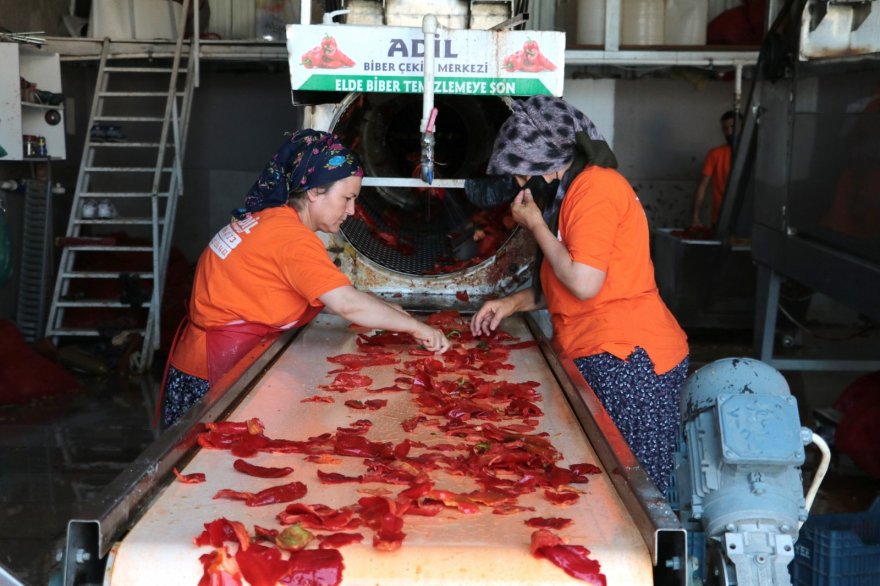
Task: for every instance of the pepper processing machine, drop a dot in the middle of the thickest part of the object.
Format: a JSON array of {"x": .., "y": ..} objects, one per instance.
[{"x": 738, "y": 485}]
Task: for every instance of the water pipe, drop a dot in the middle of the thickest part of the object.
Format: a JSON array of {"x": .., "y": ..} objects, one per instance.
[{"x": 429, "y": 112}]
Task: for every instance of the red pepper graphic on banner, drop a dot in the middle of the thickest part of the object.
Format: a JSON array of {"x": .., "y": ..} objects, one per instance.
[
  {"x": 326, "y": 56},
  {"x": 529, "y": 59}
]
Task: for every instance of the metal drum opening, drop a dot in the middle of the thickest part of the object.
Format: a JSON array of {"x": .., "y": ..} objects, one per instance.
[{"x": 423, "y": 231}]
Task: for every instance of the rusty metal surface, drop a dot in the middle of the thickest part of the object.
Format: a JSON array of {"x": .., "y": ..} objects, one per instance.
[
  {"x": 448, "y": 549},
  {"x": 497, "y": 276}
]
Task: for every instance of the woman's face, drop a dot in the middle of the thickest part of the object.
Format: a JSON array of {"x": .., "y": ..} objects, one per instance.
[{"x": 329, "y": 209}]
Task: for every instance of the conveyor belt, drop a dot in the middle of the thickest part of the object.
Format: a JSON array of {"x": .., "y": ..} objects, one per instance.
[{"x": 450, "y": 548}]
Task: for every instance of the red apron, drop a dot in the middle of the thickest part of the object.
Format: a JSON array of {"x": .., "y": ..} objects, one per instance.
[{"x": 227, "y": 344}]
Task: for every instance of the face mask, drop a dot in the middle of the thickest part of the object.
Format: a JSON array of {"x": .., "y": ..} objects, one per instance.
[{"x": 542, "y": 192}]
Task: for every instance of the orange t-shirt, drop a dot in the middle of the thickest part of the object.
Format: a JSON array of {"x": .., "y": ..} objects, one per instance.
[
  {"x": 268, "y": 268},
  {"x": 603, "y": 225},
  {"x": 717, "y": 166}
]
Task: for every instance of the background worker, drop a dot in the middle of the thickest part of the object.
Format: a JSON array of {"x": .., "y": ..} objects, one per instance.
[
  {"x": 716, "y": 169},
  {"x": 594, "y": 274},
  {"x": 268, "y": 271}
]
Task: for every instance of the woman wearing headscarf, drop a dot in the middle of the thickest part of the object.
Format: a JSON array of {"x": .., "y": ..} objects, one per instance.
[
  {"x": 594, "y": 273},
  {"x": 267, "y": 271}
]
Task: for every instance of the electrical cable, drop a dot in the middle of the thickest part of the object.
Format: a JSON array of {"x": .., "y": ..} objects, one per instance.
[{"x": 804, "y": 328}]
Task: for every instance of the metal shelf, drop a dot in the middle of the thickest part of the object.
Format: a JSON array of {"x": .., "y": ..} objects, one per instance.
[{"x": 72, "y": 49}]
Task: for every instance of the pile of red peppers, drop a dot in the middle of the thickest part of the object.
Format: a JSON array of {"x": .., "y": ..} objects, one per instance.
[{"x": 490, "y": 425}]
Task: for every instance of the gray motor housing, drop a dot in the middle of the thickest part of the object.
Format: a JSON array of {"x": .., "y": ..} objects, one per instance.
[{"x": 739, "y": 476}]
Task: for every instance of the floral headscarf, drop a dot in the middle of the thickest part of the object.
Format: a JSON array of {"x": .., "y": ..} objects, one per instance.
[
  {"x": 541, "y": 136},
  {"x": 309, "y": 158}
]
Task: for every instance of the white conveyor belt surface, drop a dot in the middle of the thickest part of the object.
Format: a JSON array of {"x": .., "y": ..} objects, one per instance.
[{"x": 448, "y": 549}]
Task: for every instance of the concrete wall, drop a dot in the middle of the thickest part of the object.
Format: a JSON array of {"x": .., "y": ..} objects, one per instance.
[{"x": 663, "y": 129}]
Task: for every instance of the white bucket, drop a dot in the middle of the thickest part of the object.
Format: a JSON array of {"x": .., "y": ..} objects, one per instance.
[
  {"x": 642, "y": 22},
  {"x": 686, "y": 22},
  {"x": 591, "y": 22}
]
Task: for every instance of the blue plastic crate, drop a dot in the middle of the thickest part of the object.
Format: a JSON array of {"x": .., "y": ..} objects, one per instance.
[{"x": 839, "y": 550}]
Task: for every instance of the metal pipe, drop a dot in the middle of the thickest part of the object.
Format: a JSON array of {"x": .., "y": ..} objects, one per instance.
[
  {"x": 305, "y": 12},
  {"x": 429, "y": 112},
  {"x": 820, "y": 472}
]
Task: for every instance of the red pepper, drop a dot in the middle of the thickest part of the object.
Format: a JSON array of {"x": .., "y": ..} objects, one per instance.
[
  {"x": 283, "y": 493},
  {"x": 261, "y": 565},
  {"x": 260, "y": 471},
  {"x": 534, "y": 60},
  {"x": 331, "y": 56},
  {"x": 194, "y": 478},
  {"x": 312, "y": 58},
  {"x": 573, "y": 559},
  {"x": 548, "y": 522},
  {"x": 337, "y": 540},
  {"x": 514, "y": 62}
]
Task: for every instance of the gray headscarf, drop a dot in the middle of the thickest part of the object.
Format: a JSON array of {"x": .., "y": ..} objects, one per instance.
[
  {"x": 540, "y": 137},
  {"x": 544, "y": 134}
]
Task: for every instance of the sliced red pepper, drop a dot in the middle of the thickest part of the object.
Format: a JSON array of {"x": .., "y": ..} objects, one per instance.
[
  {"x": 260, "y": 471},
  {"x": 314, "y": 567},
  {"x": 261, "y": 565},
  {"x": 337, "y": 540},
  {"x": 220, "y": 530},
  {"x": 194, "y": 478},
  {"x": 336, "y": 478},
  {"x": 561, "y": 498},
  {"x": 283, "y": 493},
  {"x": 220, "y": 569},
  {"x": 548, "y": 522},
  {"x": 319, "y": 399}
]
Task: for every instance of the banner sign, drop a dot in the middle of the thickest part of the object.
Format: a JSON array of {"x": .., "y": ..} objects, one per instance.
[{"x": 390, "y": 59}]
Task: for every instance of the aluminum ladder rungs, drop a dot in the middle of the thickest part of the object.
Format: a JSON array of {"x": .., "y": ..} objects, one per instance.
[
  {"x": 120, "y": 221},
  {"x": 147, "y": 157},
  {"x": 103, "y": 274},
  {"x": 102, "y": 303},
  {"x": 124, "y": 145},
  {"x": 126, "y": 169},
  {"x": 137, "y": 94},
  {"x": 121, "y": 194},
  {"x": 129, "y": 119},
  {"x": 108, "y": 248},
  {"x": 138, "y": 69}
]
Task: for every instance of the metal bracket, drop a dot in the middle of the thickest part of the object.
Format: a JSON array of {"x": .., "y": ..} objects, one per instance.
[{"x": 82, "y": 560}]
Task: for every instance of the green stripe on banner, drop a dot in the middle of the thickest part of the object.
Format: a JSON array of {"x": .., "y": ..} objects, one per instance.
[{"x": 478, "y": 86}]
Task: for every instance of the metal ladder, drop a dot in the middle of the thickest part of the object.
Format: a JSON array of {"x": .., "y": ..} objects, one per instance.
[{"x": 113, "y": 172}]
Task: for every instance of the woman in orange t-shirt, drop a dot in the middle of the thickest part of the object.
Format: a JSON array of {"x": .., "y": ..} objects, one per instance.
[
  {"x": 595, "y": 275},
  {"x": 268, "y": 271}
]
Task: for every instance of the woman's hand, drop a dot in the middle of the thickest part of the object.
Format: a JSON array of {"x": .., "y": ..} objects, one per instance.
[
  {"x": 525, "y": 211},
  {"x": 489, "y": 316},
  {"x": 431, "y": 338}
]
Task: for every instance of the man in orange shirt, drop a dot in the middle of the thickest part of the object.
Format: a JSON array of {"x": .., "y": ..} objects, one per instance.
[
  {"x": 268, "y": 271},
  {"x": 595, "y": 275},
  {"x": 716, "y": 170}
]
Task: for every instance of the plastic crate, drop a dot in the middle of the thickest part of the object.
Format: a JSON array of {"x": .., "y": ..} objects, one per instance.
[{"x": 839, "y": 550}]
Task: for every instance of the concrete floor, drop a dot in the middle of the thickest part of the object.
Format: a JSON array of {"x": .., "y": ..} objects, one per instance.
[{"x": 58, "y": 453}]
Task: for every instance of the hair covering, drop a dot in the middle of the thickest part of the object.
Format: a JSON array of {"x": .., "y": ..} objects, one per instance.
[
  {"x": 309, "y": 158},
  {"x": 541, "y": 136}
]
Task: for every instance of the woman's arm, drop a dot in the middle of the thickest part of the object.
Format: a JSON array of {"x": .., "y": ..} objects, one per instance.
[
  {"x": 582, "y": 281},
  {"x": 368, "y": 310}
]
